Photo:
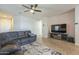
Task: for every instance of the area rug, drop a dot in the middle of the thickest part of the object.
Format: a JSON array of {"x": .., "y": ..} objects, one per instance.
[{"x": 37, "y": 48}]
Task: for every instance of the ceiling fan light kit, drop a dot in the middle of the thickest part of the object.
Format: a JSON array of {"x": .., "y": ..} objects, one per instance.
[{"x": 32, "y": 11}]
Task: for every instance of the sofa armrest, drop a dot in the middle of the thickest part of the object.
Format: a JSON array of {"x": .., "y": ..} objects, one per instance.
[{"x": 31, "y": 34}]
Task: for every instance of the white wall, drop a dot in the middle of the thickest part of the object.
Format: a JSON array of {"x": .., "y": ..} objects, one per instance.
[
  {"x": 77, "y": 25},
  {"x": 17, "y": 21},
  {"x": 26, "y": 23}
]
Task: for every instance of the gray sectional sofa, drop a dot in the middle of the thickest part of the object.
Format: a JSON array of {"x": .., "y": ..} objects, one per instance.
[{"x": 17, "y": 37}]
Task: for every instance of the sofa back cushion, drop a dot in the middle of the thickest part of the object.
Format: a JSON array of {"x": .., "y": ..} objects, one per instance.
[
  {"x": 2, "y": 39},
  {"x": 21, "y": 34},
  {"x": 11, "y": 35}
]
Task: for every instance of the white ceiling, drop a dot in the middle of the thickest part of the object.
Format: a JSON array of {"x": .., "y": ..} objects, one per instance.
[{"x": 48, "y": 10}]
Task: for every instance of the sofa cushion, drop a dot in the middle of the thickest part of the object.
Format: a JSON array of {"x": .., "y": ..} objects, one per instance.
[
  {"x": 27, "y": 33},
  {"x": 11, "y": 35},
  {"x": 21, "y": 34},
  {"x": 2, "y": 39},
  {"x": 31, "y": 34}
]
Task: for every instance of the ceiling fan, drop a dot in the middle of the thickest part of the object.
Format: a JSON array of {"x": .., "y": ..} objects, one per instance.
[{"x": 32, "y": 8}]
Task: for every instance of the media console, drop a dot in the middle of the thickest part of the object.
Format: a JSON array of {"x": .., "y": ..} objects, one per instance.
[{"x": 62, "y": 36}]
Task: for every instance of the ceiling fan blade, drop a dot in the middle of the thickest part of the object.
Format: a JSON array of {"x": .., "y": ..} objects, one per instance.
[
  {"x": 26, "y": 7},
  {"x": 38, "y": 10},
  {"x": 26, "y": 10},
  {"x": 31, "y": 6},
  {"x": 36, "y": 5}
]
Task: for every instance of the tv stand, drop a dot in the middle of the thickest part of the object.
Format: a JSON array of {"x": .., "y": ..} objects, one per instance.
[
  {"x": 57, "y": 35},
  {"x": 62, "y": 36}
]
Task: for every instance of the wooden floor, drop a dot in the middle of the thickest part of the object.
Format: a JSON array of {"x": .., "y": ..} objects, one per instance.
[{"x": 64, "y": 47}]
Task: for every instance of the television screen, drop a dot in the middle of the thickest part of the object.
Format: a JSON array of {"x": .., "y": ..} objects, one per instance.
[{"x": 58, "y": 28}]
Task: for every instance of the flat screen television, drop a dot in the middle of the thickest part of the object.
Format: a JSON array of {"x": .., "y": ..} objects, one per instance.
[{"x": 60, "y": 28}]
